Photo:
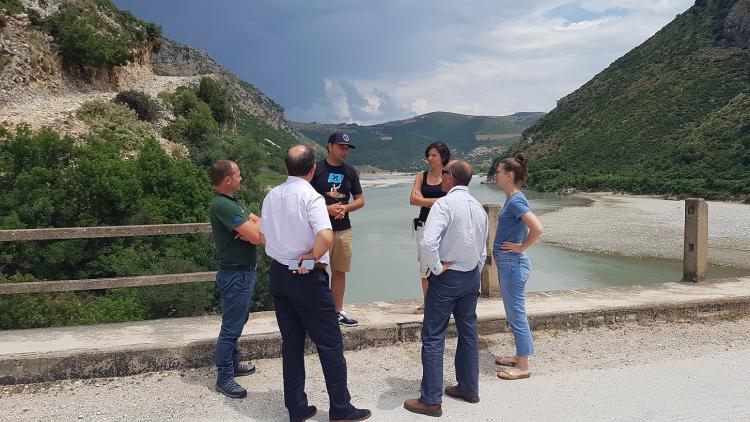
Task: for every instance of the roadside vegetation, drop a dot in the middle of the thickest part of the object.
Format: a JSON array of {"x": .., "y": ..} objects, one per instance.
[{"x": 117, "y": 174}]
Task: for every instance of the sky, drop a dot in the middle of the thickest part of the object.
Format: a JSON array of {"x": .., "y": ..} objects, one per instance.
[{"x": 373, "y": 61}]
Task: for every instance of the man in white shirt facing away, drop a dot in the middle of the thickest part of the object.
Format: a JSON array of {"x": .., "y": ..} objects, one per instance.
[
  {"x": 298, "y": 231},
  {"x": 454, "y": 248}
]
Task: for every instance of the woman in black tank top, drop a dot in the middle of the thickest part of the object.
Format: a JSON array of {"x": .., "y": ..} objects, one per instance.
[{"x": 427, "y": 189}]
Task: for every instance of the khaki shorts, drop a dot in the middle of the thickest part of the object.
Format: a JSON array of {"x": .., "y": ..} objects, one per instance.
[{"x": 341, "y": 251}]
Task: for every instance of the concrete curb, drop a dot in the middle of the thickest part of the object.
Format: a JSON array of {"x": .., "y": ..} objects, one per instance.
[{"x": 131, "y": 360}]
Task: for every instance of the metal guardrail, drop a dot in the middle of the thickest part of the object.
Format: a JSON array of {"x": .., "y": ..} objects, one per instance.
[{"x": 103, "y": 232}]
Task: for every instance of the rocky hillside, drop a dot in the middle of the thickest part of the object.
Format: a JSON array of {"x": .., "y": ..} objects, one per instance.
[
  {"x": 672, "y": 116},
  {"x": 38, "y": 86}
]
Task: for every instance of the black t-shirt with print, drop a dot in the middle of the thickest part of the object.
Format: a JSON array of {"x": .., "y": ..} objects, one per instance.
[{"x": 337, "y": 184}]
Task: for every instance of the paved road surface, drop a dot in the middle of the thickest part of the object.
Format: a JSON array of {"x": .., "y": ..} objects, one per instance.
[{"x": 633, "y": 372}]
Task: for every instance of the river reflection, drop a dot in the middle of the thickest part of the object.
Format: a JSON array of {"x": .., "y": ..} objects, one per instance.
[{"x": 385, "y": 267}]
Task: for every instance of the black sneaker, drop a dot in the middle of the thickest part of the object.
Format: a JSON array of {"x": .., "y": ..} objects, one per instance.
[
  {"x": 232, "y": 389},
  {"x": 357, "y": 415},
  {"x": 243, "y": 369},
  {"x": 345, "y": 319}
]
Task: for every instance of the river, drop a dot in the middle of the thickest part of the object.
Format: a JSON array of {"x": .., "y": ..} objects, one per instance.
[{"x": 385, "y": 268}]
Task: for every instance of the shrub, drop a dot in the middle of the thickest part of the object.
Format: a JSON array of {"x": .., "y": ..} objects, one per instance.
[
  {"x": 83, "y": 40},
  {"x": 200, "y": 124},
  {"x": 35, "y": 18},
  {"x": 11, "y": 7},
  {"x": 94, "y": 33},
  {"x": 115, "y": 123},
  {"x": 195, "y": 122},
  {"x": 183, "y": 100},
  {"x": 213, "y": 94},
  {"x": 152, "y": 30},
  {"x": 146, "y": 108}
]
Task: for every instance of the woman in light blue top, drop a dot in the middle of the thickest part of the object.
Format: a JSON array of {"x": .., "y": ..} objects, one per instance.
[{"x": 517, "y": 229}]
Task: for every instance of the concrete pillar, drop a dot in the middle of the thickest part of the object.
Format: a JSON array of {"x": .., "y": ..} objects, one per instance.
[
  {"x": 490, "y": 286},
  {"x": 695, "y": 256}
]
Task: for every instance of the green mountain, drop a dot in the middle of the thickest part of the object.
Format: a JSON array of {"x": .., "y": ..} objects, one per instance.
[
  {"x": 399, "y": 145},
  {"x": 671, "y": 116}
]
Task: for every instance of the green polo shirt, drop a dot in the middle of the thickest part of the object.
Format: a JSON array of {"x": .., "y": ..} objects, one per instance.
[{"x": 228, "y": 213}]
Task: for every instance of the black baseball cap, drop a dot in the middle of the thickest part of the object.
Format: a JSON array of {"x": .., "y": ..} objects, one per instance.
[{"x": 340, "y": 138}]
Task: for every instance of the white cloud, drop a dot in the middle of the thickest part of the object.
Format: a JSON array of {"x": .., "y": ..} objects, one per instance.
[
  {"x": 583, "y": 25},
  {"x": 338, "y": 99},
  {"x": 510, "y": 64}
]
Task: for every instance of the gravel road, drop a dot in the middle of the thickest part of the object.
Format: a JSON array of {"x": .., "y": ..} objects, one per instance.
[{"x": 655, "y": 371}]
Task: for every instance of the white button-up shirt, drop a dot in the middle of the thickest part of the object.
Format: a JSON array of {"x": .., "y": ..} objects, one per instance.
[
  {"x": 293, "y": 213},
  {"x": 455, "y": 231}
]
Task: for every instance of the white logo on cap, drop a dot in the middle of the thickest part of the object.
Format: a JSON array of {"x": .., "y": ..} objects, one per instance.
[{"x": 345, "y": 138}]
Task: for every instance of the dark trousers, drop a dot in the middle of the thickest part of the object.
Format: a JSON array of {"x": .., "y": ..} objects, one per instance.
[
  {"x": 304, "y": 305},
  {"x": 453, "y": 292},
  {"x": 236, "y": 289}
]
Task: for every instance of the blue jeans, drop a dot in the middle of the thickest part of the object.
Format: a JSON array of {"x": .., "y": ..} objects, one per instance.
[
  {"x": 513, "y": 271},
  {"x": 236, "y": 289},
  {"x": 453, "y": 292}
]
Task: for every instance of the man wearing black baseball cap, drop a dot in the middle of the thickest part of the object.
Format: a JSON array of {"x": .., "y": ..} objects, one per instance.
[{"x": 337, "y": 182}]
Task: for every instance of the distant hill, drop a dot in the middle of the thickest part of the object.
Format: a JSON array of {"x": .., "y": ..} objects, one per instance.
[
  {"x": 399, "y": 145},
  {"x": 671, "y": 116}
]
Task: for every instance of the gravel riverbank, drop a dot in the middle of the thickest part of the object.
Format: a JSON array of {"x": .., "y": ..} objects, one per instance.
[{"x": 642, "y": 226}]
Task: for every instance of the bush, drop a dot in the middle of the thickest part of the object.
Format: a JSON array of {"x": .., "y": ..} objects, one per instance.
[
  {"x": 35, "y": 18},
  {"x": 153, "y": 30},
  {"x": 213, "y": 94},
  {"x": 95, "y": 34},
  {"x": 146, "y": 108},
  {"x": 183, "y": 100},
  {"x": 84, "y": 40},
  {"x": 115, "y": 123},
  {"x": 11, "y": 7},
  {"x": 195, "y": 125}
]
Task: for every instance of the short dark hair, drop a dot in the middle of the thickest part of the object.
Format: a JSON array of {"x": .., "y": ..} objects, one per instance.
[
  {"x": 220, "y": 170},
  {"x": 299, "y": 163},
  {"x": 461, "y": 171},
  {"x": 441, "y": 148}
]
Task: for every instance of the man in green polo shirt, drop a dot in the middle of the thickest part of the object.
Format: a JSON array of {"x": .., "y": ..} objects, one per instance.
[{"x": 235, "y": 231}]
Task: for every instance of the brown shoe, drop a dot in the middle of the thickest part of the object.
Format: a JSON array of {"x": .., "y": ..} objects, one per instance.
[
  {"x": 454, "y": 392},
  {"x": 416, "y": 406}
]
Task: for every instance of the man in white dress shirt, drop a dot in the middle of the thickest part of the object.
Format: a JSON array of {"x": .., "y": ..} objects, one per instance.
[
  {"x": 454, "y": 248},
  {"x": 296, "y": 227}
]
